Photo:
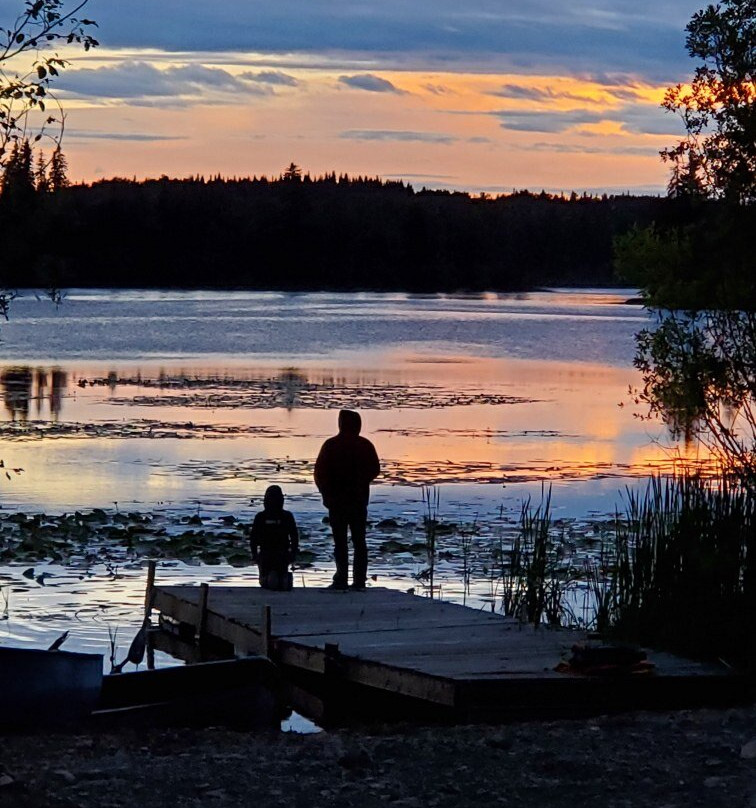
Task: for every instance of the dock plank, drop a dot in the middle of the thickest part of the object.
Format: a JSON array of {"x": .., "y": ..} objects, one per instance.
[{"x": 323, "y": 612}]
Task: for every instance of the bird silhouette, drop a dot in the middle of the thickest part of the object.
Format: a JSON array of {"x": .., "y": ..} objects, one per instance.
[
  {"x": 57, "y": 643},
  {"x": 135, "y": 654}
]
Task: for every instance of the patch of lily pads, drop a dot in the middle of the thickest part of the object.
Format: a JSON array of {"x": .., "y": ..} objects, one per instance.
[
  {"x": 114, "y": 536},
  {"x": 151, "y": 428},
  {"x": 290, "y": 389},
  {"x": 100, "y": 535},
  {"x": 476, "y": 554},
  {"x": 403, "y": 471}
]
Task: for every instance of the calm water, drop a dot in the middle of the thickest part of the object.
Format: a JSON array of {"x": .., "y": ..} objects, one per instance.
[
  {"x": 212, "y": 396},
  {"x": 197, "y": 401}
]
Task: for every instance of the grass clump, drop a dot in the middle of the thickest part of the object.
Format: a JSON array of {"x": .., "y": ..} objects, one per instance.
[{"x": 535, "y": 581}]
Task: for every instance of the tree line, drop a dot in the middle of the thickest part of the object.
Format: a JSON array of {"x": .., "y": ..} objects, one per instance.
[{"x": 297, "y": 232}]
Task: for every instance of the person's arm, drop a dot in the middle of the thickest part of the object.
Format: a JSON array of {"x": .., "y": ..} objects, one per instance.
[
  {"x": 374, "y": 464},
  {"x": 254, "y": 540},
  {"x": 293, "y": 538},
  {"x": 324, "y": 471},
  {"x": 321, "y": 469}
]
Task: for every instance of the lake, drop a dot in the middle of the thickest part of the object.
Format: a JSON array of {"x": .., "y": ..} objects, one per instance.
[{"x": 176, "y": 404}]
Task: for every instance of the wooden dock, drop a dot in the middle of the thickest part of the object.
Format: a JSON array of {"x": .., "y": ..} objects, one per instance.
[{"x": 384, "y": 653}]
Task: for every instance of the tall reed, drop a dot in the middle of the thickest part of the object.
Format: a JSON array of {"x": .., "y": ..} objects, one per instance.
[
  {"x": 533, "y": 582},
  {"x": 466, "y": 536},
  {"x": 432, "y": 502},
  {"x": 685, "y": 576}
]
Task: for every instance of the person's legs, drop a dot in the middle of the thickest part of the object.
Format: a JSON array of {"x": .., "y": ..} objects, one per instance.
[
  {"x": 339, "y": 525},
  {"x": 358, "y": 529},
  {"x": 279, "y": 579},
  {"x": 262, "y": 574}
]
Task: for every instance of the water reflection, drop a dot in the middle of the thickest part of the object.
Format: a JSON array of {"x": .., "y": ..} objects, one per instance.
[
  {"x": 177, "y": 433},
  {"x": 145, "y": 401},
  {"x": 21, "y": 386},
  {"x": 58, "y": 385},
  {"x": 17, "y": 391},
  {"x": 292, "y": 381},
  {"x": 41, "y": 381},
  {"x": 154, "y": 406}
]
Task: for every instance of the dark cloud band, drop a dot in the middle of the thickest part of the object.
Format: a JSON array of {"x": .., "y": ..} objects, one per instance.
[{"x": 642, "y": 37}]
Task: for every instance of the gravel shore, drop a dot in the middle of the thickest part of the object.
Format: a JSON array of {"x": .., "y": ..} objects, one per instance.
[{"x": 686, "y": 758}]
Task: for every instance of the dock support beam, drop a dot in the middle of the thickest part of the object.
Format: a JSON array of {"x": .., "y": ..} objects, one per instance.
[
  {"x": 149, "y": 600},
  {"x": 149, "y": 592},
  {"x": 265, "y": 642},
  {"x": 334, "y": 681},
  {"x": 202, "y": 617}
]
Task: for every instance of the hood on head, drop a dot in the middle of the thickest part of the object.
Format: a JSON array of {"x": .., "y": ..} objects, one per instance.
[
  {"x": 350, "y": 422},
  {"x": 274, "y": 498}
]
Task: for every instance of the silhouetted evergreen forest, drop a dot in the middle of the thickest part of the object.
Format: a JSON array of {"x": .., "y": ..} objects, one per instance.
[{"x": 298, "y": 232}]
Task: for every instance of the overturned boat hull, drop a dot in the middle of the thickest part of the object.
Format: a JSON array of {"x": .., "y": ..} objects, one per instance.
[
  {"x": 243, "y": 693},
  {"x": 47, "y": 688}
]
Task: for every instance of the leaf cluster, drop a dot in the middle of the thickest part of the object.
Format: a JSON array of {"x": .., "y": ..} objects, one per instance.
[
  {"x": 26, "y": 90},
  {"x": 695, "y": 256},
  {"x": 717, "y": 158}
]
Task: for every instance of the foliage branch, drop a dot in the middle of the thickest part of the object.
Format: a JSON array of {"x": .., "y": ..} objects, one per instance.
[
  {"x": 26, "y": 73},
  {"x": 702, "y": 256},
  {"x": 698, "y": 269},
  {"x": 717, "y": 158},
  {"x": 26, "y": 89}
]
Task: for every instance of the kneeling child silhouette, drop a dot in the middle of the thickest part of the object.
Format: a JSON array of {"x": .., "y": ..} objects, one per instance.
[{"x": 274, "y": 541}]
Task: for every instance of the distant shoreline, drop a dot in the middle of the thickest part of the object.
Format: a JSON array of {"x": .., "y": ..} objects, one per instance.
[{"x": 329, "y": 234}]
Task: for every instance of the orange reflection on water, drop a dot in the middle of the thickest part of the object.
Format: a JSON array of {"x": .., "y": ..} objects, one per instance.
[{"x": 227, "y": 432}]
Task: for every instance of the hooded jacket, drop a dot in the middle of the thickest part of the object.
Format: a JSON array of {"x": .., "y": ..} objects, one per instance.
[
  {"x": 346, "y": 465},
  {"x": 274, "y": 539}
]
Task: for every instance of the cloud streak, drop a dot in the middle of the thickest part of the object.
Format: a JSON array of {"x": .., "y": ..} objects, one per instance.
[
  {"x": 370, "y": 83},
  {"x": 566, "y": 148},
  {"x": 632, "y": 119},
  {"x": 275, "y": 77},
  {"x": 402, "y": 136},
  {"x": 553, "y": 121},
  {"x": 139, "y": 80},
  {"x": 522, "y": 92},
  {"x": 137, "y": 137}
]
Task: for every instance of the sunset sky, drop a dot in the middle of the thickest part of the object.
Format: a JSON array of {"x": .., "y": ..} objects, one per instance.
[{"x": 481, "y": 95}]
